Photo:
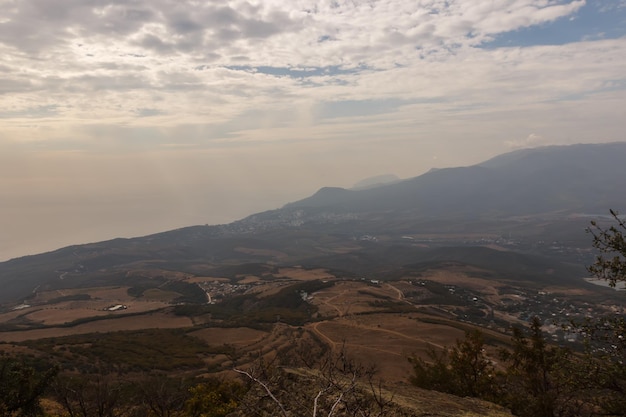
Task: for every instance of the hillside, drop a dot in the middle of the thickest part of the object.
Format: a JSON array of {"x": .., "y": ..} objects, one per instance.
[
  {"x": 569, "y": 179},
  {"x": 384, "y": 273},
  {"x": 532, "y": 201}
]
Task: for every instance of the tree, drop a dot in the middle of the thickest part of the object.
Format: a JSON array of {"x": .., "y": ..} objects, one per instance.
[
  {"x": 21, "y": 387},
  {"x": 163, "y": 396},
  {"x": 610, "y": 264},
  {"x": 540, "y": 379},
  {"x": 464, "y": 370},
  {"x": 93, "y": 396},
  {"x": 213, "y": 398},
  {"x": 606, "y": 338},
  {"x": 332, "y": 385},
  {"x": 536, "y": 380}
]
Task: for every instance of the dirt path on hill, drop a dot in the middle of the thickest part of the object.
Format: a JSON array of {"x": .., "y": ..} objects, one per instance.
[
  {"x": 396, "y": 289},
  {"x": 333, "y": 306},
  {"x": 317, "y": 331},
  {"x": 333, "y": 344}
]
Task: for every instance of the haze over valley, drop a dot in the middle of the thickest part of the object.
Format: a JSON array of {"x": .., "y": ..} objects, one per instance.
[{"x": 256, "y": 207}]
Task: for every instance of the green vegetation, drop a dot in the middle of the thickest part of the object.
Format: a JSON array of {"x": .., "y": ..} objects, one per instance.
[
  {"x": 233, "y": 272},
  {"x": 463, "y": 370},
  {"x": 391, "y": 306},
  {"x": 537, "y": 380},
  {"x": 21, "y": 387},
  {"x": 249, "y": 310},
  {"x": 610, "y": 264},
  {"x": 214, "y": 398},
  {"x": 109, "y": 395},
  {"x": 186, "y": 292},
  {"x": 189, "y": 293}
]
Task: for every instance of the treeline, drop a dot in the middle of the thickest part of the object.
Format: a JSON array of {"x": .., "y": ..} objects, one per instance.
[
  {"x": 24, "y": 390},
  {"x": 305, "y": 379},
  {"x": 534, "y": 378}
]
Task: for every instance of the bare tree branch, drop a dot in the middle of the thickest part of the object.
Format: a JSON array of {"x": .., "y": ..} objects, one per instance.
[{"x": 265, "y": 387}]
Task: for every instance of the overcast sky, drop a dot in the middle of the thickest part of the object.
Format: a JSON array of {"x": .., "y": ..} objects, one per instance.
[{"x": 129, "y": 117}]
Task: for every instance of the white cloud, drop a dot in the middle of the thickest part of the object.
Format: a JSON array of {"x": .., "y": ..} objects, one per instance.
[{"x": 530, "y": 141}]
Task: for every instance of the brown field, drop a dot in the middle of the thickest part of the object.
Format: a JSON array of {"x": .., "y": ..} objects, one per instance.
[
  {"x": 232, "y": 336},
  {"x": 452, "y": 277},
  {"x": 354, "y": 312},
  {"x": 156, "y": 320},
  {"x": 68, "y": 311},
  {"x": 197, "y": 280},
  {"x": 157, "y": 273},
  {"x": 157, "y": 294},
  {"x": 301, "y": 274},
  {"x": 60, "y": 314},
  {"x": 386, "y": 340},
  {"x": 103, "y": 293},
  {"x": 249, "y": 279}
]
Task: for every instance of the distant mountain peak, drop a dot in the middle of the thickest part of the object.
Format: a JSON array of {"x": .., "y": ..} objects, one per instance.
[
  {"x": 376, "y": 181},
  {"x": 574, "y": 178}
]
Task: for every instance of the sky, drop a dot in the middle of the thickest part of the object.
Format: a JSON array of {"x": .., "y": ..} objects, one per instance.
[{"x": 130, "y": 117}]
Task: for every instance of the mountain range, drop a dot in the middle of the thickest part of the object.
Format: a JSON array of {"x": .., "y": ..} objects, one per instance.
[
  {"x": 570, "y": 179},
  {"x": 529, "y": 201}
]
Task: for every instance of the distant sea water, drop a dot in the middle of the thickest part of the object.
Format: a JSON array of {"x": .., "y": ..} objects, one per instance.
[{"x": 621, "y": 286}]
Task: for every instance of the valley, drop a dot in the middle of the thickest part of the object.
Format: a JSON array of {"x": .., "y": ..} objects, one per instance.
[{"x": 371, "y": 275}]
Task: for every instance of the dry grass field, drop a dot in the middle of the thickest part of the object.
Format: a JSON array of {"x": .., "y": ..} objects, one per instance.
[
  {"x": 386, "y": 340},
  {"x": 155, "y": 320},
  {"x": 351, "y": 297},
  {"x": 300, "y": 274},
  {"x": 238, "y": 337}
]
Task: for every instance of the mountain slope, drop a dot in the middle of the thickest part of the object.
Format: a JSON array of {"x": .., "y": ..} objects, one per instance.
[
  {"x": 569, "y": 179},
  {"x": 526, "y": 195}
]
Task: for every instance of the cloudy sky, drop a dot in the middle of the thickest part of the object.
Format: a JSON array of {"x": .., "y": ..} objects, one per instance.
[{"x": 128, "y": 117}]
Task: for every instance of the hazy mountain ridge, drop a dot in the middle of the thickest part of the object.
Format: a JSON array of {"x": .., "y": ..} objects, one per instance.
[
  {"x": 577, "y": 178},
  {"x": 377, "y": 181},
  {"x": 521, "y": 193},
  {"x": 554, "y": 181}
]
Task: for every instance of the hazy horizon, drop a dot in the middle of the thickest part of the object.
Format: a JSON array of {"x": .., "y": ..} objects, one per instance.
[{"x": 122, "y": 119}]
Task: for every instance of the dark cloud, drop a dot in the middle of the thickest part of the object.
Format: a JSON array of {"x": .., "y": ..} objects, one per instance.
[
  {"x": 32, "y": 112},
  {"x": 35, "y": 26},
  {"x": 155, "y": 44},
  {"x": 102, "y": 82},
  {"x": 148, "y": 112}
]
